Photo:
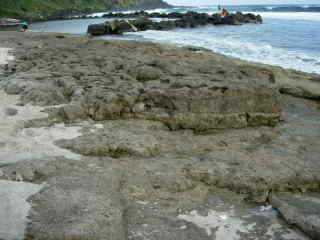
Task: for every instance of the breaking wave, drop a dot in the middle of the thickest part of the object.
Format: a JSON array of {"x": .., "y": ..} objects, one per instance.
[{"x": 256, "y": 52}]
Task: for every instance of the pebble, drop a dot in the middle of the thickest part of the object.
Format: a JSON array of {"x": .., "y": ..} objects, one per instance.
[{"x": 11, "y": 111}]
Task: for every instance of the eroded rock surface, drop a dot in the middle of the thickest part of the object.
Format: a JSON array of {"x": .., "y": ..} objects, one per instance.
[
  {"x": 206, "y": 91},
  {"x": 173, "y": 143},
  {"x": 85, "y": 203}
]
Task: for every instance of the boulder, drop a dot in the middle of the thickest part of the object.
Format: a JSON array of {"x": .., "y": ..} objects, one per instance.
[
  {"x": 232, "y": 20},
  {"x": 142, "y": 23},
  {"x": 96, "y": 29},
  {"x": 119, "y": 27},
  {"x": 164, "y": 25},
  {"x": 111, "y": 27}
]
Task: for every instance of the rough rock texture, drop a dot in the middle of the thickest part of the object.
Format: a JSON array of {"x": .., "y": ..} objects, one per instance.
[
  {"x": 211, "y": 108},
  {"x": 180, "y": 20},
  {"x": 251, "y": 161},
  {"x": 174, "y": 143},
  {"x": 89, "y": 206},
  {"x": 206, "y": 91}
]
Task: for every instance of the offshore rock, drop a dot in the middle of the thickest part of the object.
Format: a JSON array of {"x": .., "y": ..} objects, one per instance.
[{"x": 142, "y": 21}]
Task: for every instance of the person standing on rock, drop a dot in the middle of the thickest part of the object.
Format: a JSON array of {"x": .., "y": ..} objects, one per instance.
[{"x": 224, "y": 13}]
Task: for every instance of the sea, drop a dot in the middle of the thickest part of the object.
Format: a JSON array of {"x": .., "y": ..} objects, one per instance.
[{"x": 289, "y": 36}]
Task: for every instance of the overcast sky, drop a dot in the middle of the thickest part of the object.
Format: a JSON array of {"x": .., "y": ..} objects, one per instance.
[{"x": 237, "y": 2}]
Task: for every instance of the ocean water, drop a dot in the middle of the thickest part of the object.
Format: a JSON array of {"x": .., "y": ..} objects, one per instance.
[{"x": 289, "y": 36}]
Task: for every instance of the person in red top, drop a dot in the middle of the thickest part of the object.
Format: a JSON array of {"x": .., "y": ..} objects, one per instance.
[{"x": 224, "y": 12}]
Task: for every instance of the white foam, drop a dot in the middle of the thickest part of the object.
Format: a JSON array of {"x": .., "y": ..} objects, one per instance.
[
  {"x": 14, "y": 208},
  {"x": 307, "y": 16},
  {"x": 158, "y": 10},
  {"x": 235, "y": 47},
  {"x": 100, "y": 14}
]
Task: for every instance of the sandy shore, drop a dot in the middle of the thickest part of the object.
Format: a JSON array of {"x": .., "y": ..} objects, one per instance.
[{"x": 147, "y": 141}]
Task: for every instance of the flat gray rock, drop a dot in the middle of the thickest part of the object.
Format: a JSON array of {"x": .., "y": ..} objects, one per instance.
[
  {"x": 302, "y": 211},
  {"x": 84, "y": 203}
]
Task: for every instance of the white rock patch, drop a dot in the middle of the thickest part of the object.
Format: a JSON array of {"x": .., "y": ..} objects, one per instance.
[
  {"x": 5, "y": 57},
  {"x": 224, "y": 224},
  {"x": 18, "y": 143},
  {"x": 288, "y": 234},
  {"x": 14, "y": 208}
]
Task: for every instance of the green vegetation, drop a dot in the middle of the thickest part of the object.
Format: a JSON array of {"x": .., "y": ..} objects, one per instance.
[{"x": 43, "y": 9}]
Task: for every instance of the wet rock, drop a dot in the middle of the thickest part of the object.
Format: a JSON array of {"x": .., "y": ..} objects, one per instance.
[
  {"x": 221, "y": 215},
  {"x": 119, "y": 27},
  {"x": 145, "y": 222},
  {"x": 303, "y": 211},
  {"x": 113, "y": 27},
  {"x": 298, "y": 92},
  {"x": 239, "y": 18},
  {"x": 96, "y": 29},
  {"x": 142, "y": 23}
]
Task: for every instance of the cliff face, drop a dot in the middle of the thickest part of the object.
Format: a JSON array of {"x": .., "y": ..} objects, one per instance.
[{"x": 42, "y": 9}]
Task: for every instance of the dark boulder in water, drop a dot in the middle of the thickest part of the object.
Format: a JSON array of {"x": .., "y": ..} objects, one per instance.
[
  {"x": 113, "y": 27},
  {"x": 97, "y": 29},
  {"x": 143, "y": 22}
]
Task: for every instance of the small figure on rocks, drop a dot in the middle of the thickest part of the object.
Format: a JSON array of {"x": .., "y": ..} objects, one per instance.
[{"x": 224, "y": 13}]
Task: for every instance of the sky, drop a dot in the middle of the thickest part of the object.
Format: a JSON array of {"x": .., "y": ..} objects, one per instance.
[{"x": 239, "y": 2}]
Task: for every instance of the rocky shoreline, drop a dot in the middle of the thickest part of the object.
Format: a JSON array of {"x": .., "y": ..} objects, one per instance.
[
  {"x": 142, "y": 21},
  {"x": 158, "y": 142}
]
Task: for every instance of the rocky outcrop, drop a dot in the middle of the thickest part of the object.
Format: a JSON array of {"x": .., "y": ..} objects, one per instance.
[
  {"x": 202, "y": 109},
  {"x": 303, "y": 211},
  {"x": 115, "y": 27},
  {"x": 216, "y": 18},
  {"x": 198, "y": 95},
  {"x": 178, "y": 20},
  {"x": 116, "y": 168}
]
